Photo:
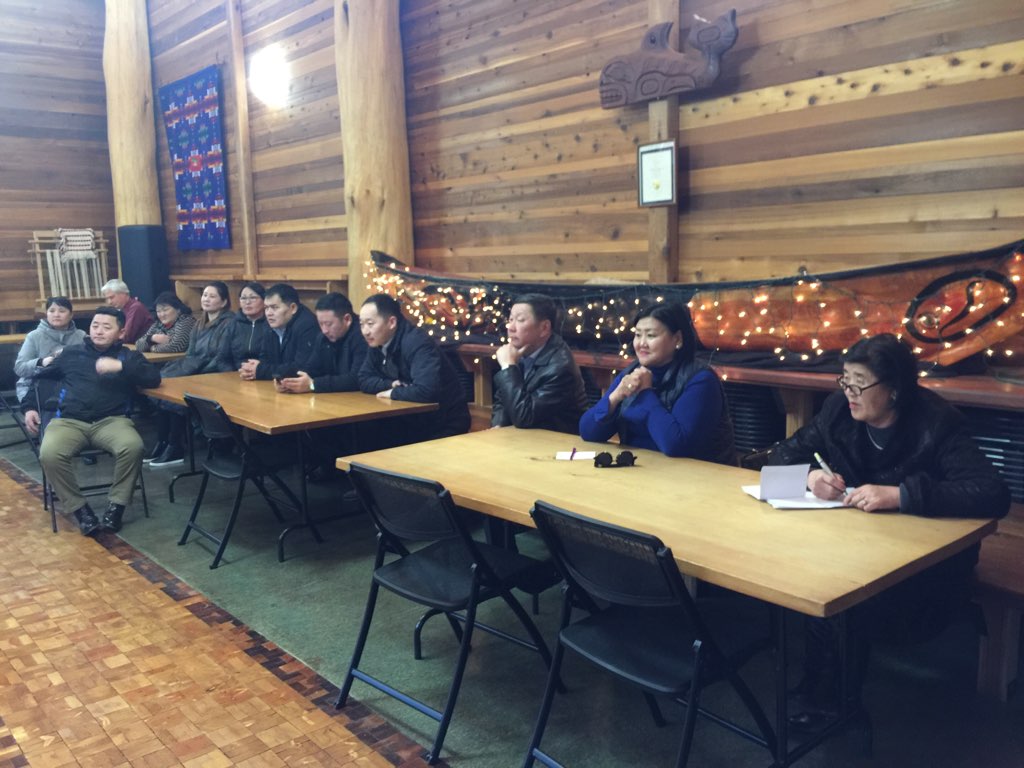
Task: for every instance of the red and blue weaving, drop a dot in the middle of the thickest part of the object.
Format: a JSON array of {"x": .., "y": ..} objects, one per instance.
[{"x": 191, "y": 108}]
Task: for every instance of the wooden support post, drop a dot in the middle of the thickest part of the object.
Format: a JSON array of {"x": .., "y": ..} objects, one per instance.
[
  {"x": 371, "y": 96},
  {"x": 663, "y": 122},
  {"x": 246, "y": 204},
  {"x": 131, "y": 129}
]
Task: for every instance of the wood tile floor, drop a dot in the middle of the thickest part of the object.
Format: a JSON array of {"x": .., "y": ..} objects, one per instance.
[{"x": 108, "y": 660}]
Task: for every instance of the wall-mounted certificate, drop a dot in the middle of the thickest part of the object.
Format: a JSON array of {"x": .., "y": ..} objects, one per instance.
[{"x": 656, "y": 174}]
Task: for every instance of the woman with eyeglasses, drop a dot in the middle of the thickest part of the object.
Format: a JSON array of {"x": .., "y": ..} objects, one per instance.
[
  {"x": 667, "y": 400},
  {"x": 890, "y": 446},
  {"x": 248, "y": 330}
]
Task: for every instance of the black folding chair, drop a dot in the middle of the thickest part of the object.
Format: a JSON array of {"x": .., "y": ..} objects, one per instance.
[
  {"x": 451, "y": 574},
  {"x": 642, "y": 624},
  {"x": 246, "y": 462}
]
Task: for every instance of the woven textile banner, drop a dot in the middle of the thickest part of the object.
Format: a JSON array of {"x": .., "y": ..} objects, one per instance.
[{"x": 191, "y": 108}]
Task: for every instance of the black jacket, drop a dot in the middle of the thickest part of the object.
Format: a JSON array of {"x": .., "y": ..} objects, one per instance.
[
  {"x": 334, "y": 365},
  {"x": 931, "y": 455},
  {"x": 243, "y": 340},
  {"x": 88, "y": 396},
  {"x": 280, "y": 358},
  {"x": 203, "y": 346},
  {"x": 429, "y": 377},
  {"x": 550, "y": 396}
]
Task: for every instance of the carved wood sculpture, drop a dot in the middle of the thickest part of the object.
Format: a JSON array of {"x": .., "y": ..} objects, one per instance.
[{"x": 656, "y": 71}]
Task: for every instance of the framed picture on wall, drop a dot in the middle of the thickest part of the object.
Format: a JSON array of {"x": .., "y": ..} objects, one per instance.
[{"x": 656, "y": 174}]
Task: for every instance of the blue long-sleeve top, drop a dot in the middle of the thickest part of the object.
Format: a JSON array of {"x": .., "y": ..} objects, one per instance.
[{"x": 687, "y": 430}]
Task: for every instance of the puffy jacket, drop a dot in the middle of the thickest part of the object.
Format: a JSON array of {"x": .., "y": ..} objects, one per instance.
[
  {"x": 550, "y": 396},
  {"x": 84, "y": 394},
  {"x": 39, "y": 343},
  {"x": 244, "y": 339},
  {"x": 280, "y": 357},
  {"x": 203, "y": 346},
  {"x": 334, "y": 365}
]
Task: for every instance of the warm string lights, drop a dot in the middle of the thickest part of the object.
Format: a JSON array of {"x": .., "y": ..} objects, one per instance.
[{"x": 947, "y": 309}]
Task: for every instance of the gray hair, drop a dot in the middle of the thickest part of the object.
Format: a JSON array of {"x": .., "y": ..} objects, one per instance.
[{"x": 116, "y": 286}]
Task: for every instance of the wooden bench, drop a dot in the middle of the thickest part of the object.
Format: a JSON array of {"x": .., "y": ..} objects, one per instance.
[{"x": 999, "y": 589}]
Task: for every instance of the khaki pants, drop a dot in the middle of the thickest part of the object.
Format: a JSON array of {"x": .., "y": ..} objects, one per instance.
[{"x": 64, "y": 439}]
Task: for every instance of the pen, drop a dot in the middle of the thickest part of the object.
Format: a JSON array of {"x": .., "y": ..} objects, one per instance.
[
  {"x": 821, "y": 462},
  {"x": 572, "y": 454}
]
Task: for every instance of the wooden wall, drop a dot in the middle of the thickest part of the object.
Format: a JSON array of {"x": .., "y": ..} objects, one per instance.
[
  {"x": 840, "y": 134},
  {"x": 54, "y": 166},
  {"x": 295, "y": 157}
]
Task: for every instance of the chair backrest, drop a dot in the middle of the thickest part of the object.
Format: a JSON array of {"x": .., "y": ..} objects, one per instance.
[
  {"x": 406, "y": 507},
  {"x": 610, "y": 563},
  {"x": 214, "y": 421}
]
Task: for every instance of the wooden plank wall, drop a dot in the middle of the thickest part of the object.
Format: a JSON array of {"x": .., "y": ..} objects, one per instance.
[
  {"x": 840, "y": 134},
  {"x": 296, "y": 150},
  {"x": 54, "y": 165}
]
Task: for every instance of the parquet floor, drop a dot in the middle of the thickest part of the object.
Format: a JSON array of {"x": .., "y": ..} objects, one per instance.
[{"x": 107, "y": 660}]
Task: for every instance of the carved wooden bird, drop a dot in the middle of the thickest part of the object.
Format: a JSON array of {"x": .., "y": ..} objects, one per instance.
[{"x": 656, "y": 70}]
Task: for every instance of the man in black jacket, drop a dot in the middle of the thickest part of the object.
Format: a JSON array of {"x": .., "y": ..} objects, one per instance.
[
  {"x": 404, "y": 363},
  {"x": 539, "y": 385},
  {"x": 97, "y": 383},
  {"x": 294, "y": 331},
  {"x": 337, "y": 355}
]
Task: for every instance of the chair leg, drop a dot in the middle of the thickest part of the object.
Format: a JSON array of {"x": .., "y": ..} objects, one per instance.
[
  {"x": 417, "y": 645},
  {"x": 258, "y": 482},
  {"x": 453, "y": 691},
  {"x": 692, "y": 707},
  {"x": 142, "y": 488},
  {"x": 545, "y": 707},
  {"x": 357, "y": 653},
  {"x": 528, "y": 625},
  {"x": 195, "y": 509},
  {"x": 652, "y": 704},
  {"x": 231, "y": 524}
]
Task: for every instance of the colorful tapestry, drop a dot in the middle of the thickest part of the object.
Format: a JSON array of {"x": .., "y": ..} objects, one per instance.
[{"x": 191, "y": 108}]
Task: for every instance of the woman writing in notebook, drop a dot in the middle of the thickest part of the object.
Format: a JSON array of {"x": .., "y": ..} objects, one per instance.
[
  {"x": 666, "y": 400},
  {"x": 890, "y": 445}
]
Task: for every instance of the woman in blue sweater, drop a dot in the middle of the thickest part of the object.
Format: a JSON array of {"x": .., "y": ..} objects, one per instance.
[{"x": 666, "y": 400}]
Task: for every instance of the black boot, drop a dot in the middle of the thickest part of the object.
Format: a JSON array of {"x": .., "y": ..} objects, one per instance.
[
  {"x": 87, "y": 522},
  {"x": 112, "y": 517}
]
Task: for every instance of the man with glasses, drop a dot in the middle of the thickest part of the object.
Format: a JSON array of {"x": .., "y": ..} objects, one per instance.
[{"x": 294, "y": 331}]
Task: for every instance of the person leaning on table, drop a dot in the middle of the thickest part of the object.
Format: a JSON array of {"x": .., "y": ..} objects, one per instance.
[
  {"x": 667, "y": 400},
  {"x": 173, "y": 326},
  {"x": 893, "y": 446},
  {"x": 539, "y": 385}
]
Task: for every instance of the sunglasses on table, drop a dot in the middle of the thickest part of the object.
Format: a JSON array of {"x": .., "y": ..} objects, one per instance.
[{"x": 624, "y": 459}]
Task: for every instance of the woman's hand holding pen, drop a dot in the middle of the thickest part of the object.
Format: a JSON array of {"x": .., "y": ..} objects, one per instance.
[{"x": 826, "y": 485}]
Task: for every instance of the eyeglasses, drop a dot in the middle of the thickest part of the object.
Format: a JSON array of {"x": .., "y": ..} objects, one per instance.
[
  {"x": 624, "y": 459},
  {"x": 853, "y": 389}
]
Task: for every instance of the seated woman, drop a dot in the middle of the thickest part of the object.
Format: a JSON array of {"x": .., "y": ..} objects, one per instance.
[
  {"x": 205, "y": 342},
  {"x": 666, "y": 400},
  {"x": 891, "y": 446},
  {"x": 56, "y": 331},
  {"x": 247, "y": 333},
  {"x": 173, "y": 327}
]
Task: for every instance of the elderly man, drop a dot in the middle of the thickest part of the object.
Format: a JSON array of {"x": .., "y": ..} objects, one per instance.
[
  {"x": 539, "y": 385},
  {"x": 136, "y": 317},
  {"x": 96, "y": 384}
]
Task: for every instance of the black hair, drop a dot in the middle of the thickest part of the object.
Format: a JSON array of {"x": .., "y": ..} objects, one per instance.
[
  {"x": 170, "y": 299},
  {"x": 255, "y": 287},
  {"x": 335, "y": 302},
  {"x": 386, "y": 305},
  {"x": 115, "y": 313},
  {"x": 891, "y": 361},
  {"x": 285, "y": 292},
  {"x": 542, "y": 306},
  {"x": 60, "y": 301},
  {"x": 222, "y": 289},
  {"x": 676, "y": 318}
]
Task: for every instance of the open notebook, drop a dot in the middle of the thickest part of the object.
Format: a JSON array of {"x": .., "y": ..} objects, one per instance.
[{"x": 786, "y": 488}]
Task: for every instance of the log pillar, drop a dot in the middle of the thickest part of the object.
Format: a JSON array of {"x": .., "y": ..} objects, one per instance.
[
  {"x": 131, "y": 135},
  {"x": 663, "y": 124},
  {"x": 371, "y": 96}
]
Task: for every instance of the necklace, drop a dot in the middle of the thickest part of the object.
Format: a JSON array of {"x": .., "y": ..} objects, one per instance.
[{"x": 872, "y": 438}]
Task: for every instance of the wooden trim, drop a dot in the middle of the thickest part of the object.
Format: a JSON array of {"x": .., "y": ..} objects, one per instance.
[{"x": 243, "y": 154}]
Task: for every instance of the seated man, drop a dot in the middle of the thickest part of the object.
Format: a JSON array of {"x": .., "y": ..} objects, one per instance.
[
  {"x": 404, "y": 363},
  {"x": 539, "y": 385},
  {"x": 97, "y": 383},
  {"x": 294, "y": 330},
  {"x": 136, "y": 317}
]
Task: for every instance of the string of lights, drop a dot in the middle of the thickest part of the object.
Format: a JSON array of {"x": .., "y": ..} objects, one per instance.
[{"x": 946, "y": 308}]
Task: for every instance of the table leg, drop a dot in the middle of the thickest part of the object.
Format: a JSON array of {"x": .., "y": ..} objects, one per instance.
[
  {"x": 307, "y": 520},
  {"x": 190, "y": 442},
  {"x": 781, "y": 687}
]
